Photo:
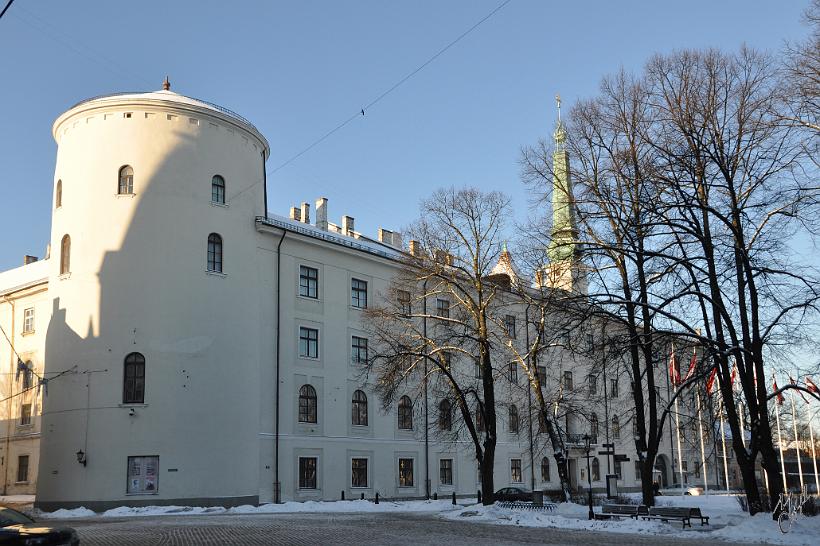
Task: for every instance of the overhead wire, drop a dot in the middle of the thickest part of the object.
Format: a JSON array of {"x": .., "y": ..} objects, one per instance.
[{"x": 5, "y": 9}]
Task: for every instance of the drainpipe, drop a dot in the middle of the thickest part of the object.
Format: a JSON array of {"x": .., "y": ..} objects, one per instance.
[
  {"x": 530, "y": 363},
  {"x": 277, "y": 486},
  {"x": 265, "y": 183},
  {"x": 426, "y": 421},
  {"x": 9, "y": 406}
]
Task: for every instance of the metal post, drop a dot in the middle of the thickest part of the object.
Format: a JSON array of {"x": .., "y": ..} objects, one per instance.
[
  {"x": 780, "y": 447},
  {"x": 797, "y": 443},
  {"x": 591, "y": 514}
]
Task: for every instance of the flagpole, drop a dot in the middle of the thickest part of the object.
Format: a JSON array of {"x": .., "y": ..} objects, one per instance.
[
  {"x": 702, "y": 451},
  {"x": 797, "y": 443},
  {"x": 814, "y": 457},
  {"x": 723, "y": 441},
  {"x": 680, "y": 453},
  {"x": 780, "y": 446}
]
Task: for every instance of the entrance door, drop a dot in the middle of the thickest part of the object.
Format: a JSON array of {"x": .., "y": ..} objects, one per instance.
[{"x": 572, "y": 470}]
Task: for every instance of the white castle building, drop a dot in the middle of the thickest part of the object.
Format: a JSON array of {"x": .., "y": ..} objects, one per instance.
[{"x": 180, "y": 344}]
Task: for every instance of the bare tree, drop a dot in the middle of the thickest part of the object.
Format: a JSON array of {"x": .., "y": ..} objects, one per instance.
[
  {"x": 802, "y": 77},
  {"x": 435, "y": 325}
]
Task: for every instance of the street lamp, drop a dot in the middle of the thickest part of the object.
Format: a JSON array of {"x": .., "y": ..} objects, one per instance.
[
  {"x": 81, "y": 458},
  {"x": 589, "y": 474}
]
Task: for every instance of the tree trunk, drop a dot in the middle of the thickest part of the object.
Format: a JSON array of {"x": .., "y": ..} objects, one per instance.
[{"x": 487, "y": 467}]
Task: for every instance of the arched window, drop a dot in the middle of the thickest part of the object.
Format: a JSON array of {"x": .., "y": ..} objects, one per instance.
[
  {"x": 215, "y": 252},
  {"x": 58, "y": 195},
  {"x": 218, "y": 190},
  {"x": 445, "y": 415},
  {"x": 126, "y": 183},
  {"x": 479, "y": 419},
  {"x": 596, "y": 469},
  {"x": 513, "y": 419},
  {"x": 616, "y": 427},
  {"x": 545, "y": 469},
  {"x": 359, "y": 409},
  {"x": 405, "y": 413},
  {"x": 133, "y": 385},
  {"x": 307, "y": 404},
  {"x": 593, "y": 428},
  {"x": 65, "y": 255}
]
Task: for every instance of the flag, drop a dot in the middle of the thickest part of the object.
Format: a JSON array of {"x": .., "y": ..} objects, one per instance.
[
  {"x": 811, "y": 386},
  {"x": 692, "y": 363},
  {"x": 780, "y": 398},
  {"x": 798, "y": 390},
  {"x": 674, "y": 371},
  {"x": 711, "y": 381}
]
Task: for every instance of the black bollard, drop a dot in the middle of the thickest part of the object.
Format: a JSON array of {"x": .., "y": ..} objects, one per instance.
[
  {"x": 343, "y": 494},
  {"x": 435, "y": 496},
  {"x": 479, "y": 496},
  {"x": 362, "y": 496},
  {"x": 454, "y": 498}
]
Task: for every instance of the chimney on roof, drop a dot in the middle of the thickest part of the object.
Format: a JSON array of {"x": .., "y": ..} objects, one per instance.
[
  {"x": 397, "y": 239},
  {"x": 347, "y": 225},
  {"x": 29, "y": 259},
  {"x": 321, "y": 213},
  {"x": 306, "y": 213},
  {"x": 415, "y": 248},
  {"x": 386, "y": 236},
  {"x": 295, "y": 214}
]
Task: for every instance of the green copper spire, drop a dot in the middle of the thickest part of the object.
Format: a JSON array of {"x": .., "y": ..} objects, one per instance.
[{"x": 564, "y": 234}]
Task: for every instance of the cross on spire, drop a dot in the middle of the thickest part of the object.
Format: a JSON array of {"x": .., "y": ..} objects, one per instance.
[{"x": 558, "y": 102}]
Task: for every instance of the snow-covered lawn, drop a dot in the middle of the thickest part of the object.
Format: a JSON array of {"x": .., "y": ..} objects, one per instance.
[{"x": 727, "y": 520}]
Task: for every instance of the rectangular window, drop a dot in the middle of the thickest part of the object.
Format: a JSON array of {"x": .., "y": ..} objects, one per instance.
[
  {"x": 308, "y": 342},
  {"x": 308, "y": 282},
  {"x": 613, "y": 388},
  {"x": 509, "y": 325},
  {"x": 359, "y": 348},
  {"x": 590, "y": 342},
  {"x": 618, "y": 470},
  {"x": 358, "y": 473},
  {"x": 542, "y": 375},
  {"x": 143, "y": 475},
  {"x": 22, "y": 468},
  {"x": 358, "y": 293},
  {"x": 25, "y": 414},
  {"x": 638, "y": 471},
  {"x": 307, "y": 472},
  {"x": 567, "y": 381},
  {"x": 403, "y": 298},
  {"x": 445, "y": 471},
  {"x": 28, "y": 320},
  {"x": 405, "y": 472},
  {"x": 512, "y": 374},
  {"x": 443, "y": 308},
  {"x": 28, "y": 377},
  {"x": 515, "y": 471},
  {"x": 592, "y": 382},
  {"x": 479, "y": 370}
]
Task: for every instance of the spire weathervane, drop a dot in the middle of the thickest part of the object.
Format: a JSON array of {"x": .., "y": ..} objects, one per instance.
[
  {"x": 558, "y": 102},
  {"x": 166, "y": 86}
]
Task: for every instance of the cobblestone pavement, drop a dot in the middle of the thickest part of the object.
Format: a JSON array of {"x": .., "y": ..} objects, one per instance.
[{"x": 334, "y": 529}]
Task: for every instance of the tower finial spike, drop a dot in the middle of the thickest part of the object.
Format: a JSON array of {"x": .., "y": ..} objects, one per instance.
[
  {"x": 166, "y": 85},
  {"x": 558, "y": 102}
]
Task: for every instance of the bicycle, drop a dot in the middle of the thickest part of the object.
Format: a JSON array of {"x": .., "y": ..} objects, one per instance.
[{"x": 789, "y": 506}]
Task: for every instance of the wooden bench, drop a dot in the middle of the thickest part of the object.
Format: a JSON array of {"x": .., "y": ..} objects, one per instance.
[
  {"x": 678, "y": 513},
  {"x": 621, "y": 510}
]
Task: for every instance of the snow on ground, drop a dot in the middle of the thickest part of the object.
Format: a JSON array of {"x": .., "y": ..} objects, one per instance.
[{"x": 727, "y": 520}]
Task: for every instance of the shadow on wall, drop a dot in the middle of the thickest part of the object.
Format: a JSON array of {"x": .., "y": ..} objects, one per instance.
[{"x": 151, "y": 295}]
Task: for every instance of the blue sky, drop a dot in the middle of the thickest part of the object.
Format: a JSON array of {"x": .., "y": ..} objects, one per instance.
[{"x": 297, "y": 69}]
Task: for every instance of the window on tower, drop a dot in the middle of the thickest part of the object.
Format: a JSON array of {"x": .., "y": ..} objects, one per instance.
[
  {"x": 65, "y": 255},
  {"x": 126, "y": 184},
  {"x": 218, "y": 190},
  {"x": 58, "y": 195},
  {"x": 133, "y": 390},
  {"x": 215, "y": 252}
]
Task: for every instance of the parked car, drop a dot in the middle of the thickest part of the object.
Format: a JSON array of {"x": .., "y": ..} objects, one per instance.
[
  {"x": 513, "y": 494},
  {"x": 17, "y": 528},
  {"x": 687, "y": 490}
]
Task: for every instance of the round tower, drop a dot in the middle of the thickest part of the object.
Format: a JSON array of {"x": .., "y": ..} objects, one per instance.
[{"x": 152, "y": 352}]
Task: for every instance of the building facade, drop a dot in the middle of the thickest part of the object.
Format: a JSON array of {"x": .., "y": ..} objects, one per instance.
[{"x": 188, "y": 347}]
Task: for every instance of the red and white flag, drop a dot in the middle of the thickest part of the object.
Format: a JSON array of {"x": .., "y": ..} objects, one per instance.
[
  {"x": 780, "y": 397},
  {"x": 798, "y": 390},
  {"x": 674, "y": 370},
  {"x": 692, "y": 363},
  {"x": 811, "y": 386},
  {"x": 711, "y": 381}
]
